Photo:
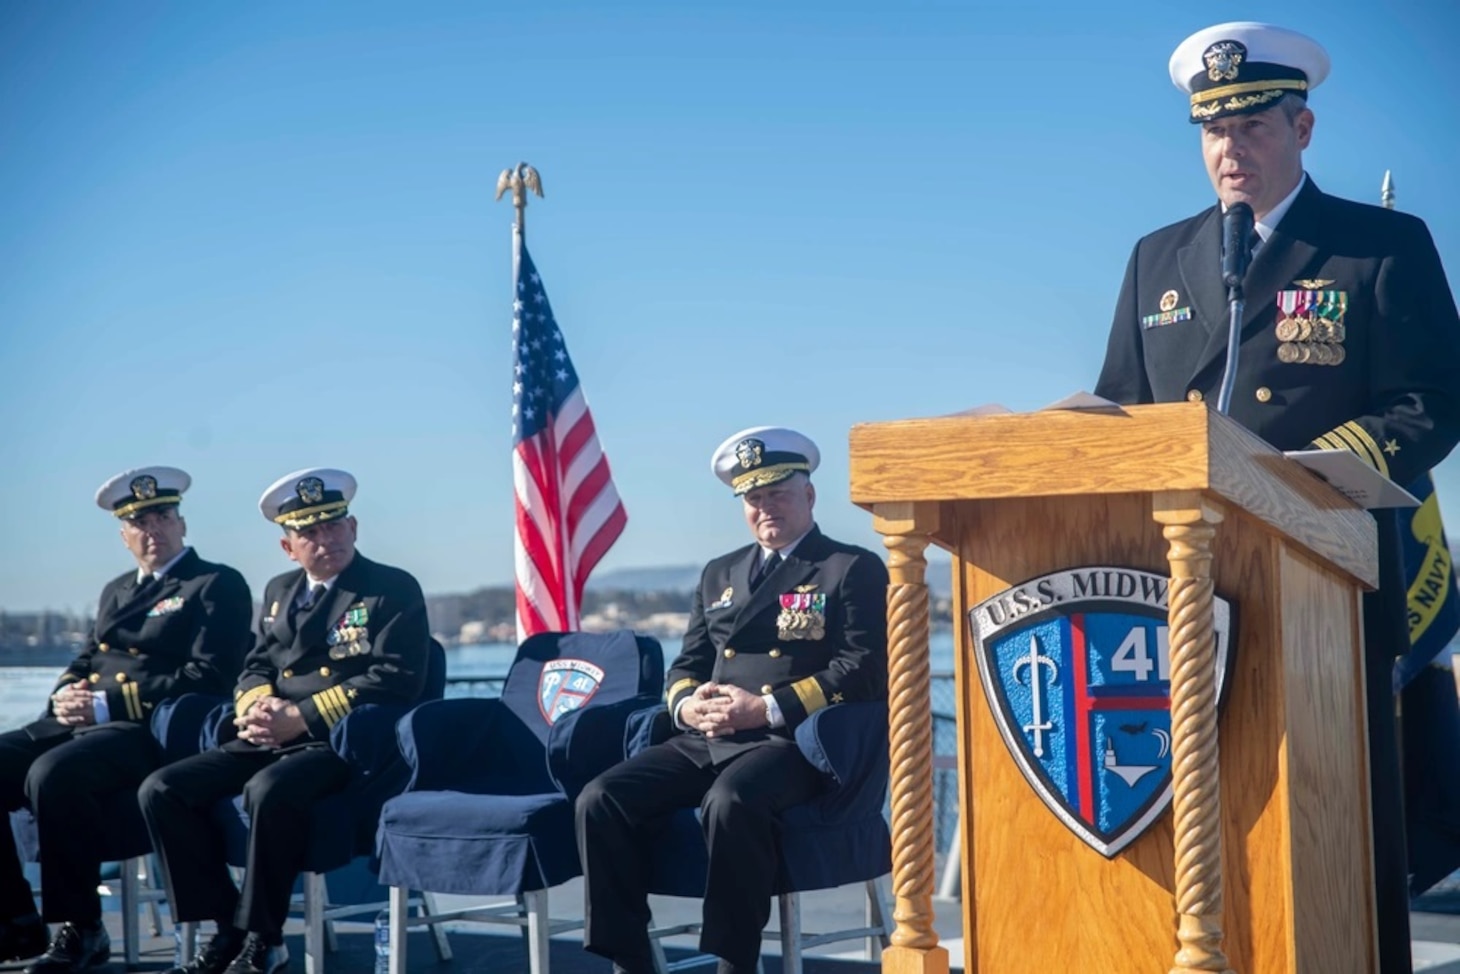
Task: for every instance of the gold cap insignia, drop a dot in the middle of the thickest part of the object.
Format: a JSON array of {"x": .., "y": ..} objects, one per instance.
[
  {"x": 1224, "y": 59},
  {"x": 310, "y": 490},
  {"x": 144, "y": 488},
  {"x": 1168, "y": 300},
  {"x": 749, "y": 452}
]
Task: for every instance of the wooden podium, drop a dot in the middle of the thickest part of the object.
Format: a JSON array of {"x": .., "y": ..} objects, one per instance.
[{"x": 1262, "y": 864}]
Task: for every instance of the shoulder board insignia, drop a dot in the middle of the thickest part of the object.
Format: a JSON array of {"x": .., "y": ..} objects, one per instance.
[{"x": 1313, "y": 284}]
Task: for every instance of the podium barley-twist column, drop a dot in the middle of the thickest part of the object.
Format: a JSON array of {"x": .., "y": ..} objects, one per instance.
[
  {"x": 910, "y": 740},
  {"x": 1196, "y": 777}
]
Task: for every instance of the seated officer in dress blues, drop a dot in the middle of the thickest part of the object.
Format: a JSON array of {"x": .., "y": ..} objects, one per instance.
[
  {"x": 175, "y": 624},
  {"x": 336, "y": 633},
  {"x": 1350, "y": 339},
  {"x": 778, "y": 630}
]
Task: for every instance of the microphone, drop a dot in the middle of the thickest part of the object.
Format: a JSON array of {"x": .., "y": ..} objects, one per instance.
[{"x": 1238, "y": 224}]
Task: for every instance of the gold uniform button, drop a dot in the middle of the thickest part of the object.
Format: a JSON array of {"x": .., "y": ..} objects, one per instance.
[
  {"x": 767, "y": 688},
  {"x": 95, "y": 678},
  {"x": 775, "y": 654},
  {"x": 1263, "y": 393},
  {"x": 288, "y": 674},
  {"x": 121, "y": 678},
  {"x": 324, "y": 671},
  {"x": 729, "y": 654},
  {"x": 134, "y": 650},
  {"x": 102, "y": 646},
  {"x": 1193, "y": 395}
]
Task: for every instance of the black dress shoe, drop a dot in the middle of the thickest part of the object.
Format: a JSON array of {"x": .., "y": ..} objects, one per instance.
[
  {"x": 258, "y": 957},
  {"x": 215, "y": 958},
  {"x": 22, "y": 941},
  {"x": 77, "y": 947}
]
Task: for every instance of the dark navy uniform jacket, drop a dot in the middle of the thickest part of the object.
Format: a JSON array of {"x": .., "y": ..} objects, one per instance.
[
  {"x": 365, "y": 641},
  {"x": 757, "y": 643},
  {"x": 185, "y": 633},
  {"x": 1394, "y": 400}
]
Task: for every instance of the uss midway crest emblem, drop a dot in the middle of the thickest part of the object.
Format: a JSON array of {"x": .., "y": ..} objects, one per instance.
[
  {"x": 565, "y": 685},
  {"x": 1076, "y": 668}
]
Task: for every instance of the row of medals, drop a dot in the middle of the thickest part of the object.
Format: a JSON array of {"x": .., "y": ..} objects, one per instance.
[
  {"x": 1310, "y": 340},
  {"x": 801, "y": 624}
]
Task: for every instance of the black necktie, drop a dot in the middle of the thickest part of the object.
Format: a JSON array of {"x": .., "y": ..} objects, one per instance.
[
  {"x": 310, "y": 600},
  {"x": 768, "y": 564}
]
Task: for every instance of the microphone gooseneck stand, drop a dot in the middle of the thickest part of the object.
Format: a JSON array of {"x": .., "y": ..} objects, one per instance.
[{"x": 1236, "y": 302}]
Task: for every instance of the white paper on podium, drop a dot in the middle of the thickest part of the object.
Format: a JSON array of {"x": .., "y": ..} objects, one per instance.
[
  {"x": 1082, "y": 400},
  {"x": 1354, "y": 479}
]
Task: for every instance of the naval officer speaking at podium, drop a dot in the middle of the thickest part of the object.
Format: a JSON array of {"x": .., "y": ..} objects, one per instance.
[{"x": 1349, "y": 339}]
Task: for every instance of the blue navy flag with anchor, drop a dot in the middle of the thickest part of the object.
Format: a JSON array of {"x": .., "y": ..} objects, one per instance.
[{"x": 1429, "y": 571}]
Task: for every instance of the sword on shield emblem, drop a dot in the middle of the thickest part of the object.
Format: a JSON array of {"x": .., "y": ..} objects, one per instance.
[{"x": 1036, "y": 691}]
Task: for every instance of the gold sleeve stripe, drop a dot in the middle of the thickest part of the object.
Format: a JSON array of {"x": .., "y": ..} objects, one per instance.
[
  {"x": 242, "y": 701},
  {"x": 1329, "y": 442},
  {"x": 133, "y": 693},
  {"x": 1359, "y": 448},
  {"x": 332, "y": 704},
  {"x": 1348, "y": 444},
  {"x": 813, "y": 698},
  {"x": 1381, "y": 463},
  {"x": 325, "y": 705},
  {"x": 1345, "y": 436},
  {"x": 685, "y": 684}
]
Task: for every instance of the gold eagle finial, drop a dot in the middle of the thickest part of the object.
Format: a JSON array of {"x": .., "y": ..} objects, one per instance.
[{"x": 520, "y": 179}]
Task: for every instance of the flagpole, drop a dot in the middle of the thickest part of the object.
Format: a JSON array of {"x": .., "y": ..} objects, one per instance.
[
  {"x": 519, "y": 179},
  {"x": 1386, "y": 192}
]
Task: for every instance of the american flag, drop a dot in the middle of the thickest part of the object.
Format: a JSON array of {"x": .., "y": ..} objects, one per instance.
[{"x": 568, "y": 512}]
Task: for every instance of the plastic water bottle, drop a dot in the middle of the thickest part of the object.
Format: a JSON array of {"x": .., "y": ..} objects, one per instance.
[{"x": 382, "y": 942}]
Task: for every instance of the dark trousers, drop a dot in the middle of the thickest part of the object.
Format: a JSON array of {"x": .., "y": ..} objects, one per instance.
[
  {"x": 64, "y": 778},
  {"x": 1386, "y": 637},
  {"x": 622, "y": 812},
  {"x": 1431, "y": 726},
  {"x": 279, "y": 789}
]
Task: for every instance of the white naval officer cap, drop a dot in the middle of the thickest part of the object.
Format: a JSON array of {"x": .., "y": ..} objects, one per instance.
[
  {"x": 763, "y": 455},
  {"x": 133, "y": 491},
  {"x": 1244, "y": 67},
  {"x": 309, "y": 496}
]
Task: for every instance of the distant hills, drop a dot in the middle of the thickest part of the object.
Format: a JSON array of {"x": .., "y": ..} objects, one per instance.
[{"x": 684, "y": 578}]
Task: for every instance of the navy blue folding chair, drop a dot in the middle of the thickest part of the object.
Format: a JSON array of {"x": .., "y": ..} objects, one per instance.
[
  {"x": 338, "y": 879},
  {"x": 175, "y": 725},
  {"x": 837, "y": 839},
  {"x": 488, "y": 810}
]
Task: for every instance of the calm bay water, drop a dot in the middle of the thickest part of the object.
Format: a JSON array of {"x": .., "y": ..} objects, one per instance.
[
  {"x": 23, "y": 689},
  {"x": 493, "y": 659}
]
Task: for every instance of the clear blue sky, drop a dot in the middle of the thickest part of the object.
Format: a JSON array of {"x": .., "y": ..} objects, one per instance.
[{"x": 246, "y": 238}]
